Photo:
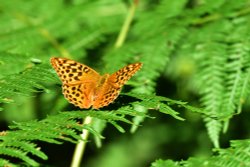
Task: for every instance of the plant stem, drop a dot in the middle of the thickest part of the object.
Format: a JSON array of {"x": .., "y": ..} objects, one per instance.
[
  {"x": 80, "y": 147},
  {"x": 123, "y": 33},
  {"x": 44, "y": 32}
]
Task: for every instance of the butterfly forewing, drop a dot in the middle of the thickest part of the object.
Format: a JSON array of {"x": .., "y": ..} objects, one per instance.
[
  {"x": 119, "y": 78},
  {"x": 72, "y": 72}
]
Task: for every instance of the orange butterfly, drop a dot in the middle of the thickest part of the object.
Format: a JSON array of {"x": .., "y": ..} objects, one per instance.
[{"x": 84, "y": 87}]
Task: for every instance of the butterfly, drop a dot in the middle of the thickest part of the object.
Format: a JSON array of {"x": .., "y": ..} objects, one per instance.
[{"x": 84, "y": 87}]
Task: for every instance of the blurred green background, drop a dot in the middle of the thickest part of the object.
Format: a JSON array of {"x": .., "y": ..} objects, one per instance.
[{"x": 167, "y": 36}]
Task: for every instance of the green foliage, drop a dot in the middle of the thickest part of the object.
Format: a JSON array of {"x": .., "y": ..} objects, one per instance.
[
  {"x": 19, "y": 141},
  {"x": 192, "y": 50},
  {"x": 237, "y": 154}
]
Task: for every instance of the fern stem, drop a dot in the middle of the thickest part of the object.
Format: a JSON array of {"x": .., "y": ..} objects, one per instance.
[
  {"x": 207, "y": 19},
  {"x": 123, "y": 33},
  {"x": 80, "y": 147},
  {"x": 44, "y": 32}
]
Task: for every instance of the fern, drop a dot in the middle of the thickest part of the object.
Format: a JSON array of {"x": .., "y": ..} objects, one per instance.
[
  {"x": 24, "y": 83},
  {"x": 153, "y": 44},
  {"x": 190, "y": 50},
  {"x": 219, "y": 78},
  {"x": 222, "y": 76},
  {"x": 238, "y": 153},
  {"x": 19, "y": 142}
]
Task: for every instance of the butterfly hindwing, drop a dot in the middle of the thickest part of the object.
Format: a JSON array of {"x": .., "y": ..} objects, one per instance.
[
  {"x": 106, "y": 95},
  {"x": 80, "y": 95}
]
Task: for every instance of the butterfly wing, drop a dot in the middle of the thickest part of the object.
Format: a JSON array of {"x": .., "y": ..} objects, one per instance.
[
  {"x": 79, "y": 81},
  {"x": 119, "y": 78},
  {"x": 110, "y": 90},
  {"x": 72, "y": 72}
]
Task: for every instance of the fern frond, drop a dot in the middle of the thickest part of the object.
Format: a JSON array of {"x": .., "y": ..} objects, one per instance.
[
  {"x": 235, "y": 82},
  {"x": 166, "y": 163},
  {"x": 212, "y": 80},
  {"x": 25, "y": 83},
  {"x": 149, "y": 47},
  {"x": 17, "y": 153},
  {"x": 164, "y": 104},
  {"x": 24, "y": 146},
  {"x": 4, "y": 162},
  {"x": 19, "y": 141},
  {"x": 224, "y": 74},
  {"x": 236, "y": 155}
]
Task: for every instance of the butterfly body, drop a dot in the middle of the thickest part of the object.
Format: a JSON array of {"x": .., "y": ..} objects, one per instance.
[{"x": 84, "y": 87}]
